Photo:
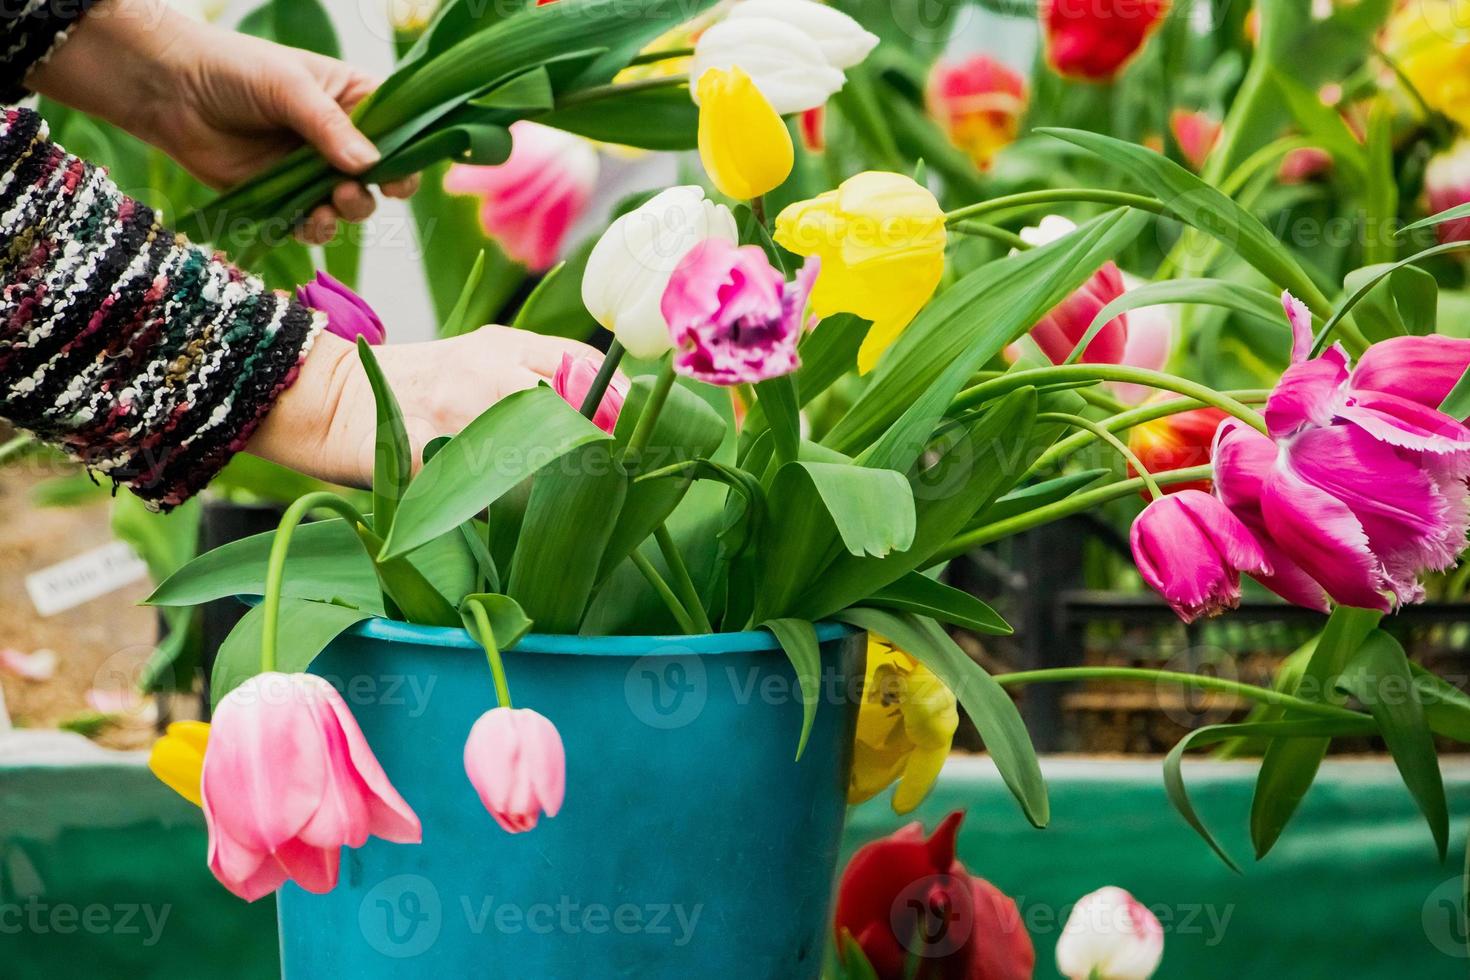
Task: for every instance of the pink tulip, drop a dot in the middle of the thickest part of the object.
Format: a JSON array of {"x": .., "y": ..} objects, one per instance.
[
  {"x": 288, "y": 781},
  {"x": 529, "y": 203},
  {"x": 515, "y": 761},
  {"x": 572, "y": 381},
  {"x": 1359, "y": 488},
  {"x": 1303, "y": 164},
  {"x": 1059, "y": 331},
  {"x": 733, "y": 318},
  {"x": 1196, "y": 133},
  {"x": 348, "y": 315},
  {"x": 1191, "y": 549},
  {"x": 1148, "y": 343},
  {"x": 37, "y": 666},
  {"x": 1420, "y": 369},
  {"x": 1447, "y": 185}
]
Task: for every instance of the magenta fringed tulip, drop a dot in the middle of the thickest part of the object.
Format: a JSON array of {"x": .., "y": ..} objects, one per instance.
[
  {"x": 732, "y": 317},
  {"x": 515, "y": 761},
  {"x": 573, "y": 379},
  {"x": 1191, "y": 550},
  {"x": 348, "y": 315},
  {"x": 288, "y": 782},
  {"x": 530, "y": 202},
  {"x": 1361, "y": 486}
]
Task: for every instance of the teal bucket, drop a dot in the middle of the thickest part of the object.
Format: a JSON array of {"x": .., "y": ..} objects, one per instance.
[{"x": 690, "y": 843}]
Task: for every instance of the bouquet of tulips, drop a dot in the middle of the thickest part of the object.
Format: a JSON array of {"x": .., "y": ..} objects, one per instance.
[{"x": 694, "y": 499}]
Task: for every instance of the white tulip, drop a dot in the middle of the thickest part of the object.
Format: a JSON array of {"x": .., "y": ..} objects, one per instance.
[
  {"x": 629, "y": 268},
  {"x": 783, "y": 61},
  {"x": 843, "y": 41},
  {"x": 1112, "y": 935}
]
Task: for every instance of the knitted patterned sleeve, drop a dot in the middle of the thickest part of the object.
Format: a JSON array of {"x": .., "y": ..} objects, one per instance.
[
  {"x": 148, "y": 359},
  {"x": 29, "y": 31}
]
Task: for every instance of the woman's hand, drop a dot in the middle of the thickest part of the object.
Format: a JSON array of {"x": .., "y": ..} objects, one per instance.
[
  {"x": 224, "y": 105},
  {"x": 325, "y": 424}
]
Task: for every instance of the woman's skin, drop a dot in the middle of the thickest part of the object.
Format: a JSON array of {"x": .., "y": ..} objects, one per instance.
[{"x": 225, "y": 106}]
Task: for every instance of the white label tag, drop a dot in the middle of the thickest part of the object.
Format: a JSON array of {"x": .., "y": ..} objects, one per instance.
[{"x": 83, "y": 578}]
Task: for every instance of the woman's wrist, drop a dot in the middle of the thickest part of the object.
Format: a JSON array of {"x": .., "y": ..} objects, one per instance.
[{"x": 120, "y": 63}]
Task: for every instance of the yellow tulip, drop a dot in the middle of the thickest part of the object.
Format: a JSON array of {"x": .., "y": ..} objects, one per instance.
[
  {"x": 906, "y": 725},
  {"x": 743, "y": 144},
  {"x": 880, "y": 238},
  {"x": 1430, "y": 40},
  {"x": 177, "y": 758}
]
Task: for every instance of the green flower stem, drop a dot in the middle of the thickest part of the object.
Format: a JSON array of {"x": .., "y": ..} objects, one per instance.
[
  {"x": 681, "y": 615},
  {"x": 1098, "y": 398},
  {"x": 1136, "y": 416},
  {"x": 653, "y": 57},
  {"x": 981, "y": 230},
  {"x": 1028, "y": 200},
  {"x": 1062, "y": 374},
  {"x": 683, "y": 581},
  {"x": 1263, "y": 695},
  {"x": 1075, "y": 504},
  {"x": 758, "y": 209},
  {"x": 1118, "y": 445},
  {"x": 486, "y": 636},
  {"x": 612, "y": 90},
  {"x": 643, "y": 431},
  {"x": 275, "y": 570},
  {"x": 604, "y": 378}
]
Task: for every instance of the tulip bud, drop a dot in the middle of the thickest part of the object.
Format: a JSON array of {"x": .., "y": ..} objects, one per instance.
[
  {"x": 783, "y": 61},
  {"x": 978, "y": 102},
  {"x": 348, "y": 315},
  {"x": 1176, "y": 442},
  {"x": 1094, "y": 39},
  {"x": 1191, "y": 549},
  {"x": 529, "y": 203},
  {"x": 630, "y": 265},
  {"x": 1196, "y": 133},
  {"x": 573, "y": 380},
  {"x": 515, "y": 761},
  {"x": 177, "y": 758},
  {"x": 1063, "y": 327},
  {"x": 1110, "y": 935},
  {"x": 842, "y": 40},
  {"x": 1447, "y": 185},
  {"x": 743, "y": 144}
]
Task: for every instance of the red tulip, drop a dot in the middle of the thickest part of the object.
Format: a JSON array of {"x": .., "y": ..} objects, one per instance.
[
  {"x": 1094, "y": 39},
  {"x": 1196, "y": 133},
  {"x": 904, "y": 897},
  {"x": 978, "y": 102},
  {"x": 1176, "y": 442}
]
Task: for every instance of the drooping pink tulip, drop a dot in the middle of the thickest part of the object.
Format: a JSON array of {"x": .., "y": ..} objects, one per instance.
[
  {"x": 734, "y": 319},
  {"x": 515, "y": 761},
  {"x": 1063, "y": 327},
  {"x": 572, "y": 381},
  {"x": 348, "y": 315},
  {"x": 289, "y": 781},
  {"x": 1447, "y": 185},
  {"x": 529, "y": 203},
  {"x": 1362, "y": 488},
  {"x": 1191, "y": 549}
]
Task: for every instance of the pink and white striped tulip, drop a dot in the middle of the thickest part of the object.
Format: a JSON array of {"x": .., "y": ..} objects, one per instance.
[
  {"x": 1191, "y": 549},
  {"x": 1059, "y": 331},
  {"x": 288, "y": 782},
  {"x": 1110, "y": 935},
  {"x": 529, "y": 203},
  {"x": 733, "y": 318},
  {"x": 515, "y": 761},
  {"x": 1447, "y": 185}
]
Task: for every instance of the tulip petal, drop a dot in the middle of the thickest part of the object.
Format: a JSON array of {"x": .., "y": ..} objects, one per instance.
[
  {"x": 1321, "y": 535},
  {"x": 1406, "y": 423},
  {"x": 1309, "y": 393},
  {"x": 389, "y": 815},
  {"x": 313, "y": 868},
  {"x": 545, "y": 760},
  {"x": 1420, "y": 369}
]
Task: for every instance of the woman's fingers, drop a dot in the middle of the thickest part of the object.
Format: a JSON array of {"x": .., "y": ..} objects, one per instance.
[
  {"x": 319, "y": 227},
  {"x": 353, "y": 201},
  {"x": 401, "y": 188}
]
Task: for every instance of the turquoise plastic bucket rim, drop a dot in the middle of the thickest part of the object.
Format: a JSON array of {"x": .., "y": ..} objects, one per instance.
[{"x": 456, "y": 638}]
